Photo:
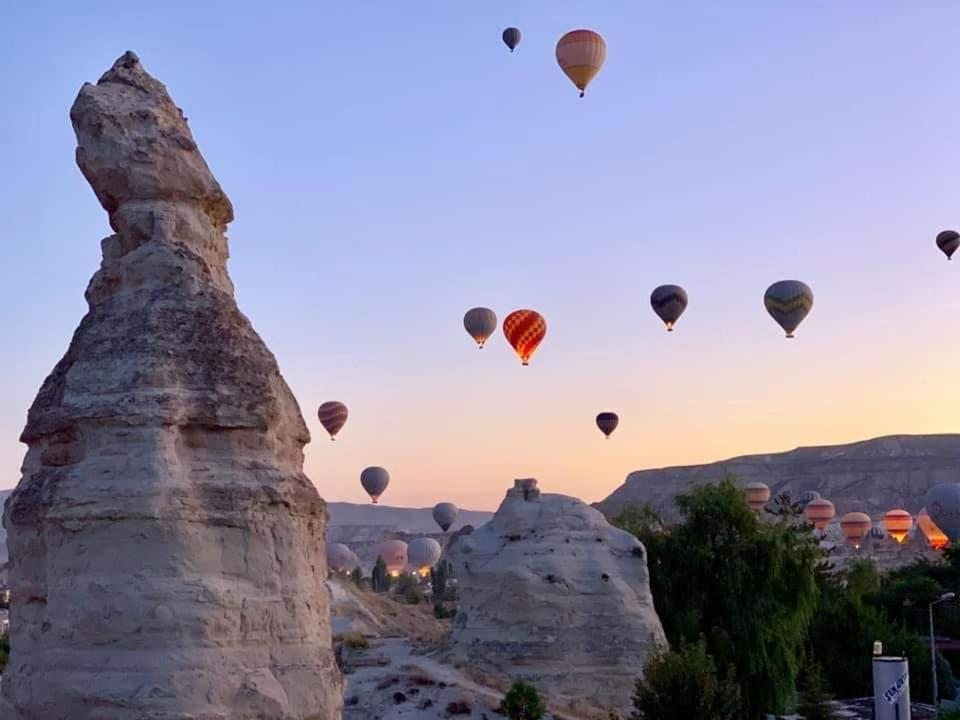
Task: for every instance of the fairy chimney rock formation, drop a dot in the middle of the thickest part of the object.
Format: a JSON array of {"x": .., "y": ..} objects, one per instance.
[
  {"x": 551, "y": 592},
  {"x": 167, "y": 550}
]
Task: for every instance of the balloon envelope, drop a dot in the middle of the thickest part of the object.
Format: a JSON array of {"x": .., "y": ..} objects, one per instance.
[
  {"x": 374, "y": 480},
  {"x": 580, "y": 54},
  {"x": 394, "y": 554},
  {"x": 333, "y": 416},
  {"x": 758, "y": 495},
  {"x": 948, "y": 241},
  {"x": 788, "y": 302},
  {"x": 898, "y": 524},
  {"x": 935, "y": 536},
  {"x": 480, "y": 323},
  {"x": 423, "y": 553},
  {"x": 444, "y": 514},
  {"x": 669, "y": 302},
  {"x": 819, "y": 512},
  {"x": 607, "y": 422},
  {"x": 525, "y": 330},
  {"x": 855, "y": 526},
  {"x": 340, "y": 558},
  {"x": 511, "y": 37},
  {"x": 943, "y": 506}
]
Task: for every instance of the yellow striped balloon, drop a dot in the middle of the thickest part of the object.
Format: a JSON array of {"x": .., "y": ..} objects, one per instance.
[{"x": 580, "y": 54}]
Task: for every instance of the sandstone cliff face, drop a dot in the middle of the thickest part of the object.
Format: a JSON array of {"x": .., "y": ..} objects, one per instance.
[
  {"x": 871, "y": 476},
  {"x": 167, "y": 550},
  {"x": 552, "y": 593}
]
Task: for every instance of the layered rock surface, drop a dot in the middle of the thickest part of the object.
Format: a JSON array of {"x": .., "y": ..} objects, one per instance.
[
  {"x": 167, "y": 550},
  {"x": 551, "y": 592},
  {"x": 871, "y": 476}
]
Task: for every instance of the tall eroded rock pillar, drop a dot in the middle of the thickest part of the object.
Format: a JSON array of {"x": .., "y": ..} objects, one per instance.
[{"x": 167, "y": 551}]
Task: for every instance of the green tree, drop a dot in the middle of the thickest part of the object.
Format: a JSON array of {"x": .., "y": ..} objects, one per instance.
[
  {"x": 814, "y": 699},
  {"x": 522, "y": 702},
  {"x": 683, "y": 683},
  {"x": 439, "y": 575},
  {"x": 4, "y": 650},
  {"x": 380, "y": 579},
  {"x": 749, "y": 585},
  {"x": 409, "y": 588},
  {"x": 357, "y": 576}
]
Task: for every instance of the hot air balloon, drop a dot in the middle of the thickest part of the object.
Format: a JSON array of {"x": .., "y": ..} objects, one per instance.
[
  {"x": 935, "y": 536},
  {"x": 423, "y": 553},
  {"x": 480, "y": 323},
  {"x": 948, "y": 241},
  {"x": 855, "y": 526},
  {"x": 444, "y": 514},
  {"x": 819, "y": 512},
  {"x": 394, "y": 554},
  {"x": 788, "y": 302},
  {"x": 340, "y": 558},
  {"x": 525, "y": 330},
  {"x": 374, "y": 481},
  {"x": 333, "y": 416},
  {"x": 511, "y": 37},
  {"x": 669, "y": 302},
  {"x": 580, "y": 54},
  {"x": 607, "y": 422},
  {"x": 898, "y": 523},
  {"x": 758, "y": 495},
  {"x": 943, "y": 506},
  {"x": 809, "y": 496}
]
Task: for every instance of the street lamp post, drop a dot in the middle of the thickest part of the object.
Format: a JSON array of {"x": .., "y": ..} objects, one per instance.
[{"x": 933, "y": 647}]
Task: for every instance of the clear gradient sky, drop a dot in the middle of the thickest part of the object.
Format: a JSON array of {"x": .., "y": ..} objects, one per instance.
[{"x": 392, "y": 164}]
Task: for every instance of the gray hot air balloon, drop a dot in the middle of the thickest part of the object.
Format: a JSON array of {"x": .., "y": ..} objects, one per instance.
[
  {"x": 809, "y": 496},
  {"x": 669, "y": 302},
  {"x": 481, "y": 323},
  {"x": 374, "y": 481},
  {"x": 340, "y": 558},
  {"x": 511, "y": 37},
  {"x": 788, "y": 302},
  {"x": 943, "y": 507},
  {"x": 444, "y": 514},
  {"x": 607, "y": 422},
  {"x": 948, "y": 241},
  {"x": 423, "y": 553}
]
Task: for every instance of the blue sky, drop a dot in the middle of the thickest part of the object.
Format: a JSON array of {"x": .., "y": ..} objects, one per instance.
[{"x": 392, "y": 164}]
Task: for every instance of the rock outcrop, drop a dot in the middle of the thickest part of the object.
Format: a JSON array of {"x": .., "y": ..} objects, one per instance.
[
  {"x": 550, "y": 592},
  {"x": 871, "y": 476},
  {"x": 167, "y": 549}
]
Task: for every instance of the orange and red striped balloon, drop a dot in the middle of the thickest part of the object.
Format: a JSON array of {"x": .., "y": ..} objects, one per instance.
[{"x": 525, "y": 330}]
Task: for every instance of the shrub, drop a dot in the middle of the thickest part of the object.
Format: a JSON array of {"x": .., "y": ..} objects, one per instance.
[
  {"x": 522, "y": 702},
  {"x": 683, "y": 683}
]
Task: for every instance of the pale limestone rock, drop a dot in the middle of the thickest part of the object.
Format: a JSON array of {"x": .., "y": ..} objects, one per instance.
[
  {"x": 552, "y": 593},
  {"x": 167, "y": 549}
]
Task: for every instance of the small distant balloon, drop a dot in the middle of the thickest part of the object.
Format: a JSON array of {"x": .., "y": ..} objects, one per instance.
[
  {"x": 809, "y": 496},
  {"x": 607, "y": 422},
  {"x": 758, "y": 495},
  {"x": 669, "y": 302},
  {"x": 580, "y": 54},
  {"x": 511, "y": 37},
  {"x": 898, "y": 524},
  {"x": 423, "y": 553},
  {"x": 444, "y": 514},
  {"x": 480, "y": 323},
  {"x": 948, "y": 241},
  {"x": 855, "y": 526},
  {"x": 333, "y": 416},
  {"x": 525, "y": 330},
  {"x": 819, "y": 512},
  {"x": 788, "y": 302},
  {"x": 374, "y": 480}
]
